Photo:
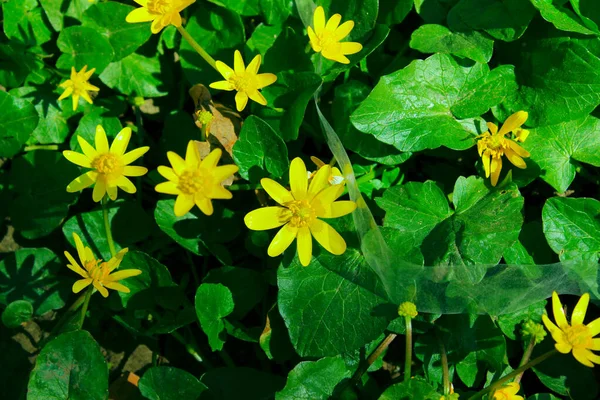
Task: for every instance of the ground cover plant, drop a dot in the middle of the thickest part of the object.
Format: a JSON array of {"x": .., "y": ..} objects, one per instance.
[{"x": 258, "y": 199}]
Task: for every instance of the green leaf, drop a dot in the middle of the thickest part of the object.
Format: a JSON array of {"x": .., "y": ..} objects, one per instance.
[
  {"x": 31, "y": 275},
  {"x": 311, "y": 380},
  {"x": 24, "y": 23},
  {"x": 109, "y": 20},
  {"x": 439, "y": 39},
  {"x": 18, "y": 119},
  {"x": 129, "y": 224},
  {"x": 87, "y": 127},
  {"x": 276, "y": 12},
  {"x": 198, "y": 233},
  {"x": 169, "y": 383},
  {"x": 219, "y": 31},
  {"x": 83, "y": 46},
  {"x": 250, "y": 384},
  {"x": 16, "y": 64},
  {"x": 77, "y": 8},
  {"x": 558, "y": 78},
  {"x": 510, "y": 324},
  {"x": 262, "y": 38},
  {"x": 55, "y": 12},
  {"x": 334, "y": 294},
  {"x": 418, "y": 107},
  {"x": 561, "y": 17},
  {"x": 416, "y": 388},
  {"x": 392, "y": 12},
  {"x": 572, "y": 228},
  {"x": 484, "y": 223},
  {"x": 434, "y": 11},
  {"x": 347, "y": 98},
  {"x": 557, "y": 148},
  {"x": 260, "y": 151},
  {"x": 40, "y": 180},
  {"x": 275, "y": 339},
  {"x": 138, "y": 75},
  {"x": 70, "y": 367},
  {"x": 16, "y": 313},
  {"x": 213, "y": 303},
  {"x": 362, "y": 12},
  {"x": 484, "y": 15},
  {"x": 246, "y": 8}
]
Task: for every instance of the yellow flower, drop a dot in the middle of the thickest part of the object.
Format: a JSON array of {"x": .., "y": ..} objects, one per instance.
[
  {"x": 110, "y": 166},
  {"x": 301, "y": 212},
  {"x": 577, "y": 337},
  {"x": 195, "y": 181},
  {"x": 246, "y": 80},
  {"x": 407, "y": 309},
  {"x": 335, "y": 178},
  {"x": 493, "y": 146},
  {"x": 162, "y": 13},
  {"x": 508, "y": 392},
  {"x": 325, "y": 38},
  {"x": 98, "y": 273},
  {"x": 78, "y": 86}
]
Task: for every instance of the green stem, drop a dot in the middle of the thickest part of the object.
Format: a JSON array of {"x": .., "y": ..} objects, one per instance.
[
  {"x": 244, "y": 187},
  {"x": 526, "y": 357},
  {"x": 197, "y": 47},
  {"x": 41, "y": 147},
  {"x": 86, "y": 302},
  {"x": 408, "y": 350},
  {"x": 513, "y": 374},
  {"x": 373, "y": 357},
  {"x": 109, "y": 238},
  {"x": 74, "y": 307},
  {"x": 445, "y": 369},
  {"x": 226, "y": 359},
  {"x": 191, "y": 349},
  {"x": 140, "y": 139}
]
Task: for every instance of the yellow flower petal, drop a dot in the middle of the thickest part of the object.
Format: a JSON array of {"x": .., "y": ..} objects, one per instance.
[
  {"x": 266, "y": 218},
  {"x": 298, "y": 179},
  {"x": 68, "y": 91},
  {"x": 114, "y": 262},
  {"x": 314, "y": 42},
  {"x": 559, "y": 312},
  {"x": 333, "y": 22},
  {"x": 241, "y": 99},
  {"x": 304, "y": 243},
  {"x": 117, "y": 286},
  {"x": 338, "y": 209},
  {"x": 595, "y": 344},
  {"x": 282, "y": 240},
  {"x": 123, "y": 274},
  {"x": 157, "y": 25},
  {"x": 223, "y": 172},
  {"x": 495, "y": 168},
  {"x": 111, "y": 191},
  {"x": 328, "y": 237},
  {"x": 344, "y": 30},
  {"x": 168, "y": 173},
  {"x": 74, "y": 265},
  {"x": 518, "y": 149},
  {"x": 204, "y": 204},
  {"x": 266, "y": 79},
  {"x": 134, "y": 154},
  {"x": 75, "y": 99},
  {"x": 319, "y": 182},
  {"x": 335, "y": 54},
  {"x": 81, "y": 284},
  {"x": 77, "y": 158},
  {"x": 594, "y": 327},
  {"x": 80, "y": 249},
  {"x": 101, "y": 289},
  {"x": 485, "y": 158},
  {"x": 254, "y": 65},
  {"x": 563, "y": 347},
  {"x": 222, "y": 85},
  {"x": 87, "y": 97},
  {"x": 581, "y": 356},
  {"x": 192, "y": 156},
  {"x": 87, "y": 148},
  {"x": 82, "y": 182},
  {"x": 212, "y": 159},
  {"x": 323, "y": 200},
  {"x": 167, "y": 188},
  {"x": 257, "y": 97},
  {"x": 514, "y": 158},
  {"x": 351, "y": 48},
  {"x": 580, "y": 310},
  {"x": 99, "y": 190},
  {"x": 277, "y": 192},
  {"x": 125, "y": 183},
  {"x": 183, "y": 204},
  {"x": 176, "y": 20},
  {"x": 513, "y": 122},
  {"x": 219, "y": 192},
  {"x": 101, "y": 140},
  {"x": 238, "y": 63},
  {"x": 319, "y": 19},
  {"x": 140, "y": 15},
  {"x": 134, "y": 170},
  {"x": 119, "y": 145},
  {"x": 224, "y": 69}
]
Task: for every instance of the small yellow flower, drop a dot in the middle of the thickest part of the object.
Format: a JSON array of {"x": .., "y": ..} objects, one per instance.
[
  {"x": 195, "y": 181},
  {"x": 162, "y": 13},
  {"x": 98, "y": 273},
  {"x": 301, "y": 212},
  {"x": 577, "y": 337},
  {"x": 325, "y": 38},
  {"x": 245, "y": 80},
  {"x": 78, "y": 86},
  {"x": 407, "y": 309},
  {"x": 493, "y": 146},
  {"x": 508, "y": 392},
  {"x": 110, "y": 166},
  {"x": 335, "y": 178}
]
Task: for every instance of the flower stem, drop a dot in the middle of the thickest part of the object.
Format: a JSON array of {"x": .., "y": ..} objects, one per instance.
[
  {"x": 408, "y": 351},
  {"x": 513, "y": 374},
  {"x": 86, "y": 302},
  {"x": 109, "y": 238},
  {"x": 41, "y": 147},
  {"x": 192, "y": 350},
  {"x": 445, "y": 369},
  {"x": 526, "y": 357},
  {"x": 197, "y": 47},
  {"x": 74, "y": 307},
  {"x": 373, "y": 356}
]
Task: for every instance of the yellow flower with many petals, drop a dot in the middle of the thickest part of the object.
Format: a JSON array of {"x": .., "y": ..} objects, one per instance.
[
  {"x": 245, "y": 80},
  {"x": 301, "y": 212},
  {"x": 335, "y": 178},
  {"x": 508, "y": 392},
  {"x": 325, "y": 38},
  {"x": 162, "y": 13},
  {"x": 493, "y": 146},
  {"x": 97, "y": 273},
  {"x": 110, "y": 166},
  {"x": 577, "y": 337},
  {"x": 78, "y": 86},
  {"x": 195, "y": 181}
]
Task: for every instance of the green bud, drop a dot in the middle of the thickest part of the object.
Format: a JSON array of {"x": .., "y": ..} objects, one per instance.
[
  {"x": 407, "y": 309},
  {"x": 533, "y": 330}
]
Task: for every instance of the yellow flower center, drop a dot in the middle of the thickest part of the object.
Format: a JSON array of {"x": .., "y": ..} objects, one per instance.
[
  {"x": 160, "y": 6},
  {"x": 302, "y": 213},
  {"x": 194, "y": 181},
  {"x": 244, "y": 83},
  {"x": 327, "y": 38},
  {"x": 96, "y": 269},
  {"x": 578, "y": 336},
  {"x": 107, "y": 164}
]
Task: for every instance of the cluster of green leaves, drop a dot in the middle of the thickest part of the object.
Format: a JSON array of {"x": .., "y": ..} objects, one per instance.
[{"x": 230, "y": 321}]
